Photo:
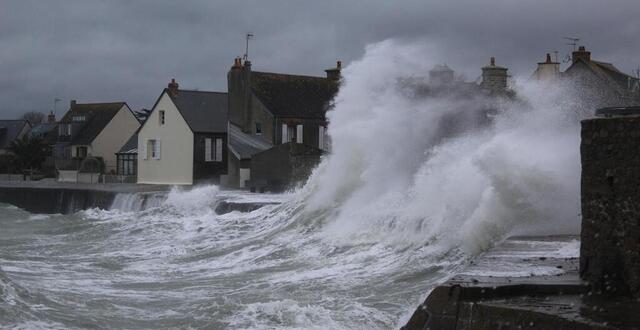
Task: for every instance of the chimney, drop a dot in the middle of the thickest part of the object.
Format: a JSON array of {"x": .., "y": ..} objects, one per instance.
[
  {"x": 581, "y": 53},
  {"x": 494, "y": 78},
  {"x": 51, "y": 118},
  {"x": 72, "y": 104},
  {"x": 173, "y": 88},
  {"x": 334, "y": 73},
  {"x": 247, "y": 65},
  {"x": 237, "y": 63},
  {"x": 547, "y": 70}
]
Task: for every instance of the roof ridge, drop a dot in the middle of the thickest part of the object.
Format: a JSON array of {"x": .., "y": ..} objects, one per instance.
[
  {"x": 197, "y": 91},
  {"x": 289, "y": 74}
]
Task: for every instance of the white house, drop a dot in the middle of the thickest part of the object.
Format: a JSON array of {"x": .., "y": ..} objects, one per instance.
[
  {"x": 184, "y": 138},
  {"x": 93, "y": 130}
]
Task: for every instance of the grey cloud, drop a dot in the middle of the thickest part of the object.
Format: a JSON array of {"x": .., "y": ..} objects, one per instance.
[{"x": 94, "y": 50}]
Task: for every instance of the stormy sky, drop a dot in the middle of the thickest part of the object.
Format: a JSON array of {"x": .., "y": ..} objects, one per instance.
[{"x": 100, "y": 51}]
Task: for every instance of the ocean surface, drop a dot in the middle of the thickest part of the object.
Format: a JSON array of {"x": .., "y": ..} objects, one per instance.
[
  {"x": 176, "y": 263},
  {"x": 402, "y": 202}
]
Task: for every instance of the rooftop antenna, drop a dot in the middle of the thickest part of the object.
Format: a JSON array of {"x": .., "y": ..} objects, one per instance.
[
  {"x": 246, "y": 51},
  {"x": 574, "y": 42},
  {"x": 55, "y": 103}
]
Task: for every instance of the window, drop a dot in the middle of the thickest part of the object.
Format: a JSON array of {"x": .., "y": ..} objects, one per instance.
[
  {"x": 64, "y": 130},
  {"x": 151, "y": 149},
  {"x": 127, "y": 164},
  {"x": 212, "y": 153},
  {"x": 218, "y": 150},
  {"x": 81, "y": 152},
  {"x": 258, "y": 128},
  {"x": 79, "y": 118},
  {"x": 161, "y": 117},
  {"x": 207, "y": 150}
]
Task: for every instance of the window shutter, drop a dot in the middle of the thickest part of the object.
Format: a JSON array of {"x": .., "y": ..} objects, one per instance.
[
  {"x": 144, "y": 148},
  {"x": 285, "y": 139},
  {"x": 299, "y": 134},
  {"x": 157, "y": 149},
  {"x": 218, "y": 150},
  {"x": 321, "y": 137},
  {"x": 207, "y": 150}
]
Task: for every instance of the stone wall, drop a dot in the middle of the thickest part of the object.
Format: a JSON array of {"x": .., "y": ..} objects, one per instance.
[
  {"x": 54, "y": 200},
  {"x": 610, "y": 249}
]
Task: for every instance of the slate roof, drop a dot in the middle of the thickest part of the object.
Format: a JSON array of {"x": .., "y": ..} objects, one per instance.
[
  {"x": 244, "y": 145},
  {"x": 204, "y": 112},
  {"x": 607, "y": 72},
  {"x": 292, "y": 95},
  {"x": 131, "y": 146},
  {"x": 97, "y": 116},
  {"x": 9, "y": 131}
]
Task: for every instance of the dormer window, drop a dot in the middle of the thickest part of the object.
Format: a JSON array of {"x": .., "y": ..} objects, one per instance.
[
  {"x": 161, "y": 117},
  {"x": 78, "y": 119}
]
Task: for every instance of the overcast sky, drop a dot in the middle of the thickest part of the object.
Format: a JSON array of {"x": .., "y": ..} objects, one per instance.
[{"x": 100, "y": 51}]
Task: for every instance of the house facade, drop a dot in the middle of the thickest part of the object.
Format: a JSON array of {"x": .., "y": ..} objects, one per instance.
[
  {"x": 270, "y": 109},
  {"x": 184, "y": 139},
  {"x": 92, "y": 130},
  {"x": 598, "y": 84}
]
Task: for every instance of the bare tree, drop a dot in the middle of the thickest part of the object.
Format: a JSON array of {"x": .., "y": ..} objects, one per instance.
[{"x": 34, "y": 117}]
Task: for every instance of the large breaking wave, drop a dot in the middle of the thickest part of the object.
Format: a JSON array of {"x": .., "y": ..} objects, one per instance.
[{"x": 399, "y": 205}]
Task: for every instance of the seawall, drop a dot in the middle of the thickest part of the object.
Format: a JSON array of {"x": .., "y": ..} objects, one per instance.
[{"x": 65, "y": 198}]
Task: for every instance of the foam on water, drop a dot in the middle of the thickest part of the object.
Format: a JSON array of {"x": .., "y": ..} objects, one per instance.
[{"x": 392, "y": 211}]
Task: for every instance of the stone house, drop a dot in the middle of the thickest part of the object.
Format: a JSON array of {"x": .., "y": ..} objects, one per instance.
[
  {"x": 267, "y": 110},
  {"x": 184, "y": 139},
  {"x": 598, "y": 84},
  {"x": 92, "y": 130}
]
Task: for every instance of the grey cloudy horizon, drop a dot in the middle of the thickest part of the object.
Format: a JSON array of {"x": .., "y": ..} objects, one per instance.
[{"x": 101, "y": 51}]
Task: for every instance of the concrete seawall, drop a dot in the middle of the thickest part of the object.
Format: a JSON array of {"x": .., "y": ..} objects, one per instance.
[{"x": 66, "y": 198}]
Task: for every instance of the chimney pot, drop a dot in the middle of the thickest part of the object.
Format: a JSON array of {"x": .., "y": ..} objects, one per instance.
[
  {"x": 493, "y": 61},
  {"x": 548, "y": 58},
  {"x": 173, "y": 87}
]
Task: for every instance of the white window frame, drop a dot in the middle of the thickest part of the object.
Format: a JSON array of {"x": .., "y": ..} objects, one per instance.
[{"x": 155, "y": 149}]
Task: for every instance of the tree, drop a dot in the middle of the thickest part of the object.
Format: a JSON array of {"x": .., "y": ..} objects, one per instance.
[
  {"x": 29, "y": 152},
  {"x": 34, "y": 117}
]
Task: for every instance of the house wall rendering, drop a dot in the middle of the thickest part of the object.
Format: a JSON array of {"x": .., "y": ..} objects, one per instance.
[
  {"x": 174, "y": 163},
  {"x": 113, "y": 136}
]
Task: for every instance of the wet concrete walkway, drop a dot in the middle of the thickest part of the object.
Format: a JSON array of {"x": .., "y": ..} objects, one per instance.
[{"x": 524, "y": 283}]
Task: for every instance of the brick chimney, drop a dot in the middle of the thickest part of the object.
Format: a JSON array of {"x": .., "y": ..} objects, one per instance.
[
  {"x": 237, "y": 63},
  {"x": 51, "y": 118},
  {"x": 581, "y": 53},
  {"x": 334, "y": 73},
  {"x": 72, "y": 104},
  {"x": 173, "y": 87}
]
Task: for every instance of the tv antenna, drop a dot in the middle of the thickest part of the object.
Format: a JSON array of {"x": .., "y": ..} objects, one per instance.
[
  {"x": 55, "y": 103},
  {"x": 573, "y": 42},
  {"x": 246, "y": 50}
]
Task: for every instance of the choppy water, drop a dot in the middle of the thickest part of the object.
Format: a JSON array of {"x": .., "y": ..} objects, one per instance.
[
  {"x": 396, "y": 207},
  {"x": 181, "y": 265}
]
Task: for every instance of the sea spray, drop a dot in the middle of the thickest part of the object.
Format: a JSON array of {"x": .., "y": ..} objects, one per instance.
[
  {"x": 394, "y": 176},
  {"x": 398, "y": 206}
]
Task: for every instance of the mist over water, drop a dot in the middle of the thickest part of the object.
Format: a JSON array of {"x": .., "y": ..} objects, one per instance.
[{"x": 401, "y": 203}]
